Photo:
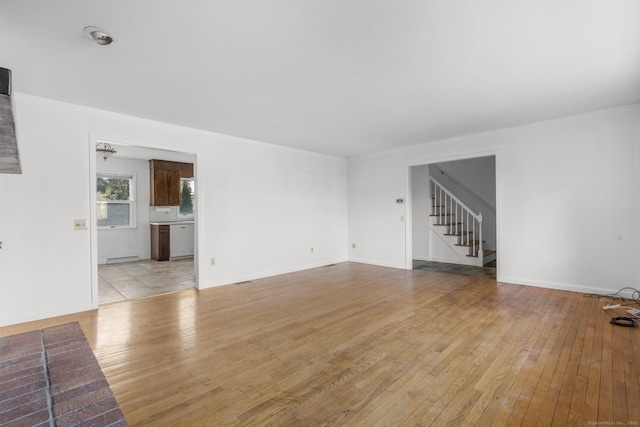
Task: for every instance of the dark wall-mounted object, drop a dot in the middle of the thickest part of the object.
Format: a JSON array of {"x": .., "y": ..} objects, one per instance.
[{"x": 9, "y": 157}]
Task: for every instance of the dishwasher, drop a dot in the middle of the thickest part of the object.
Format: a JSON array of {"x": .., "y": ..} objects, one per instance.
[{"x": 181, "y": 241}]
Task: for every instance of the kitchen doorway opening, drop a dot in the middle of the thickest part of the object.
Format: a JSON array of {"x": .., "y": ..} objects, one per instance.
[{"x": 128, "y": 204}]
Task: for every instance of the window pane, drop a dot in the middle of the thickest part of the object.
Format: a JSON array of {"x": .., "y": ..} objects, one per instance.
[
  {"x": 186, "y": 196},
  {"x": 114, "y": 188},
  {"x": 113, "y": 214}
]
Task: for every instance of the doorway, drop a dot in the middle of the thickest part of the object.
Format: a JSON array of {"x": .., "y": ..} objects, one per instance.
[
  {"x": 122, "y": 218},
  {"x": 436, "y": 187}
]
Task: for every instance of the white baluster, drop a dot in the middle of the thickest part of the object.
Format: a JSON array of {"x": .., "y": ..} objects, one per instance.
[
  {"x": 472, "y": 231},
  {"x": 481, "y": 254},
  {"x": 455, "y": 218},
  {"x": 440, "y": 206}
]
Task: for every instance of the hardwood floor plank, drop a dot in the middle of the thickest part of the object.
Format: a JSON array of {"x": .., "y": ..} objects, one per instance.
[
  {"x": 630, "y": 356},
  {"x": 596, "y": 323},
  {"x": 571, "y": 380},
  {"x": 605, "y": 398},
  {"x": 618, "y": 377},
  {"x": 360, "y": 345},
  {"x": 578, "y": 399},
  {"x": 547, "y": 360},
  {"x": 524, "y": 387},
  {"x": 501, "y": 401}
]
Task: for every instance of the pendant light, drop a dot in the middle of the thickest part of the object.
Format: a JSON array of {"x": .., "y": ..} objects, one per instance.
[{"x": 105, "y": 150}]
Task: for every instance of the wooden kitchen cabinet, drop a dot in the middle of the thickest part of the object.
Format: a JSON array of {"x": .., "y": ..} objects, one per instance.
[
  {"x": 165, "y": 187},
  {"x": 186, "y": 169},
  {"x": 165, "y": 181},
  {"x": 160, "y": 243}
]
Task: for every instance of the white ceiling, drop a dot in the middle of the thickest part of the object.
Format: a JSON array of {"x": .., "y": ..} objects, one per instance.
[{"x": 343, "y": 77}]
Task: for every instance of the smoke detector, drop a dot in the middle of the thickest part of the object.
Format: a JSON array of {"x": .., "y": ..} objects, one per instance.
[{"x": 99, "y": 35}]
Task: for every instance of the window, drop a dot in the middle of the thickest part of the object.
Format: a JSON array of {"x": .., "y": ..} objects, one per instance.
[
  {"x": 116, "y": 201},
  {"x": 186, "y": 196}
]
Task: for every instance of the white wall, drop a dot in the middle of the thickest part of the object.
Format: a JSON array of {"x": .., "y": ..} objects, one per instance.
[
  {"x": 127, "y": 242},
  {"x": 260, "y": 207},
  {"x": 562, "y": 222},
  {"x": 477, "y": 175},
  {"x": 568, "y": 200},
  {"x": 420, "y": 211}
]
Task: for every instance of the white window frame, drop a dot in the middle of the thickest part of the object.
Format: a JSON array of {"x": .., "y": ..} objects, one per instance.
[
  {"x": 131, "y": 202},
  {"x": 187, "y": 215}
]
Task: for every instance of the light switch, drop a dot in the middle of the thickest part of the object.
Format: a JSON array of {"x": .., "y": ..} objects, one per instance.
[{"x": 79, "y": 224}]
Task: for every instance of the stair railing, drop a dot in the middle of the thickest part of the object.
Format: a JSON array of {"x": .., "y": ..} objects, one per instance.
[{"x": 459, "y": 219}]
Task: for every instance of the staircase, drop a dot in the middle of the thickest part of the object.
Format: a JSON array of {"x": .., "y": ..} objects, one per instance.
[{"x": 456, "y": 231}]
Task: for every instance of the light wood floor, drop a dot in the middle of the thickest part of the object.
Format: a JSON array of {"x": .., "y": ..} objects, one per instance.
[{"x": 360, "y": 345}]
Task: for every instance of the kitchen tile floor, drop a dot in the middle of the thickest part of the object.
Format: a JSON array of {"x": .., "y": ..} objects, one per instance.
[{"x": 127, "y": 280}]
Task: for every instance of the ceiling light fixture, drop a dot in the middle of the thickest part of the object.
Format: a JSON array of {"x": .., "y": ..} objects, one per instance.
[
  {"x": 99, "y": 35},
  {"x": 105, "y": 150}
]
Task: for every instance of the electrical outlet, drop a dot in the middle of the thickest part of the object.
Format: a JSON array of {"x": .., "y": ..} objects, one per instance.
[
  {"x": 311, "y": 249},
  {"x": 212, "y": 261},
  {"x": 353, "y": 245}
]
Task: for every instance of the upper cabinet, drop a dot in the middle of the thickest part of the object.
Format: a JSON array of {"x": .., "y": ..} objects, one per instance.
[{"x": 165, "y": 181}]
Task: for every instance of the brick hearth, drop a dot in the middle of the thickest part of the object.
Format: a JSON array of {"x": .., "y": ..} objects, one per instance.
[{"x": 50, "y": 377}]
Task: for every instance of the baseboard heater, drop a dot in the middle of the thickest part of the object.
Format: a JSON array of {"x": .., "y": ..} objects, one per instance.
[
  {"x": 9, "y": 157},
  {"x": 122, "y": 259}
]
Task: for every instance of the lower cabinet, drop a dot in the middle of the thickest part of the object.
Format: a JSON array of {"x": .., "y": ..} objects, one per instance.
[
  {"x": 171, "y": 241},
  {"x": 160, "y": 241}
]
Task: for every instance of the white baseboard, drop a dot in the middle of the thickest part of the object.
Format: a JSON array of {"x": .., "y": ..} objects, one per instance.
[
  {"x": 380, "y": 264},
  {"x": 565, "y": 287},
  {"x": 45, "y": 314},
  {"x": 122, "y": 259},
  {"x": 270, "y": 273}
]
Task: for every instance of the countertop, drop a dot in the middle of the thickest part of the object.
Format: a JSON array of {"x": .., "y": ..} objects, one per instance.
[{"x": 183, "y": 222}]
